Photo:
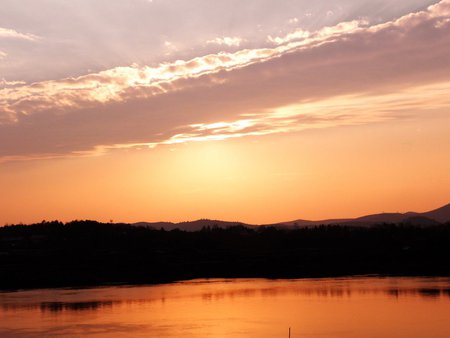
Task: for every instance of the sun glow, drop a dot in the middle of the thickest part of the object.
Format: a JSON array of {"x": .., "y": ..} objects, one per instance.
[{"x": 305, "y": 112}]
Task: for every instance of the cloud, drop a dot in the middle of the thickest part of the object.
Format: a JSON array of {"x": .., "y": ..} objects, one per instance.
[
  {"x": 6, "y": 33},
  {"x": 5, "y": 83},
  {"x": 117, "y": 84},
  {"x": 227, "y": 40},
  {"x": 306, "y": 37},
  {"x": 170, "y": 47},
  {"x": 120, "y": 84},
  {"x": 351, "y": 73},
  {"x": 337, "y": 111}
]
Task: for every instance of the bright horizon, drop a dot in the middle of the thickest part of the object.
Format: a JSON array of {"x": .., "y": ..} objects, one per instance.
[{"x": 172, "y": 110}]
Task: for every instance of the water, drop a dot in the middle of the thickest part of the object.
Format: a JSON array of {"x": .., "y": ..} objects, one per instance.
[{"x": 338, "y": 307}]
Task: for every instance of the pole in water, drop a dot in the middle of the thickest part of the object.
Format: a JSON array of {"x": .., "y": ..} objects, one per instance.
[{"x": 289, "y": 332}]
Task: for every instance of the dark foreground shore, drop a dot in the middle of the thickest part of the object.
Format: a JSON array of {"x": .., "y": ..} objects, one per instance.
[{"x": 87, "y": 253}]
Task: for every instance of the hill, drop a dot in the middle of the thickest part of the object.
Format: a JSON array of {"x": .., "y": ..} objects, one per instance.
[
  {"x": 441, "y": 215},
  {"x": 433, "y": 217},
  {"x": 193, "y": 225},
  {"x": 429, "y": 218}
]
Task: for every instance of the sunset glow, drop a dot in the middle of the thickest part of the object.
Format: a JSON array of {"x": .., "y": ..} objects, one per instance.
[{"x": 313, "y": 111}]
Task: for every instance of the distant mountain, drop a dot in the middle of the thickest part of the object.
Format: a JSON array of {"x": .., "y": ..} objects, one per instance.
[
  {"x": 430, "y": 218},
  {"x": 193, "y": 225},
  {"x": 434, "y": 217},
  {"x": 305, "y": 223},
  {"x": 441, "y": 215}
]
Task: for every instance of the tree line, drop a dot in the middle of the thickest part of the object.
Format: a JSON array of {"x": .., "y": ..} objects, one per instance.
[{"x": 78, "y": 253}]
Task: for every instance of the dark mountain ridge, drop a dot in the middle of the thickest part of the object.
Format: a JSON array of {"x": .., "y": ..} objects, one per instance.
[
  {"x": 433, "y": 217},
  {"x": 429, "y": 218},
  {"x": 192, "y": 225}
]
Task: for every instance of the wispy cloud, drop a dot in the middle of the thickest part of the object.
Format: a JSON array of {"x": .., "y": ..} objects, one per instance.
[
  {"x": 6, "y": 33},
  {"x": 6, "y": 83},
  {"x": 337, "y": 111},
  {"x": 306, "y": 80},
  {"x": 306, "y": 37},
  {"x": 227, "y": 40},
  {"x": 117, "y": 84}
]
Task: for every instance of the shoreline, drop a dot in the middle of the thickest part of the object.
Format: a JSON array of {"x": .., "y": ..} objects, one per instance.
[
  {"x": 175, "y": 281},
  {"x": 87, "y": 253}
]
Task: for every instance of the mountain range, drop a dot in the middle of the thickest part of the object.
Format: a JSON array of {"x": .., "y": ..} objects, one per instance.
[{"x": 429, "y": 218}]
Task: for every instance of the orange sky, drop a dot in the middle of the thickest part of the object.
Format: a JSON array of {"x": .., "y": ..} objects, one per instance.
[
  {"x": 343, "y": 172},
  {"x": 348, "y": 119}
]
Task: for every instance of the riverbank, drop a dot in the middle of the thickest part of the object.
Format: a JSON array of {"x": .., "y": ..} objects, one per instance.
[{"x": 86, "y": 253}]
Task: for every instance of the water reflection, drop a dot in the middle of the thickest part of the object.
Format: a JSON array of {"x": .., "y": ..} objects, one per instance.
[
  {"x": 380, "y": 307},
  {"x": 290, "y": 287},
  {"x": 78, "y": 306}
]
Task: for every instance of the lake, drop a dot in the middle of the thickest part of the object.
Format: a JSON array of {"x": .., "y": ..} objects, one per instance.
[{"x": 331, "y": 307}]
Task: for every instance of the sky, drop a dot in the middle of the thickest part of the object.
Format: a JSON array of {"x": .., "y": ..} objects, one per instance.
[{"x": 257, "y": 111}]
